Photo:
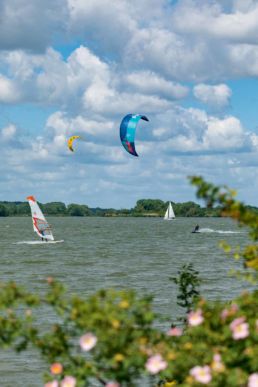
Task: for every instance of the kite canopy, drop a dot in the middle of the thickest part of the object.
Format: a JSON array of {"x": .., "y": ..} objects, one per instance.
[
  {"x": 127, "y": 131},
  {"x": 70, "y": 142}
]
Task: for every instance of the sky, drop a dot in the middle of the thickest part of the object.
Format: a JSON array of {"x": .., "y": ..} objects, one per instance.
[{"x": 77, "y": 67}]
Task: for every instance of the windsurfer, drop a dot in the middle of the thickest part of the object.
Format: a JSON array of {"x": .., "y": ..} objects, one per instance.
[
  {"x": 196, "y": 229},
  {"x": 42, "y": 238},
  {"x": 40, "y": 225}
]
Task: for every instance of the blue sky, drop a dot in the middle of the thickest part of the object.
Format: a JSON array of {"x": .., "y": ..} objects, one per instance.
[{"x": 72, "y": 67}]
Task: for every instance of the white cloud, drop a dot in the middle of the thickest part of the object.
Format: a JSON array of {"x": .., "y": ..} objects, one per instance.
[
  {"x": 254, "y": 140},
  {"x": 222, "y": 134},
  {"x": 243, "y": 6},
  {"x": 193, "y": 130},
  {"x": 86, "y": 82},
  {"x": 108, "y": 26},
  {"x": 101, "y": 99},
  {"x": 190, "y": 40},
  {"x": 150, "y": 83},
  {"x": 50, "y": 79},
  {"x": 216, "y": 96},
  {"x": 8, "y": 132},
  {"x": 8, "y": 90},
  {"x": 66, "y": 81},
  {"x": 60, "y": 124},
  {"x": 197, "y": 41},
  {"x": 178, "y": 45},
  {"x": 97, "y": 13},
  {"x": 30, "y": 25},
  {"x": 209, "y": 18}
]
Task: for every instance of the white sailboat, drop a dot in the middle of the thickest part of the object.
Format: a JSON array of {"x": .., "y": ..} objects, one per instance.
[
  {"x": 169, "y": 215},
  {"x": 40, "y": 225}
]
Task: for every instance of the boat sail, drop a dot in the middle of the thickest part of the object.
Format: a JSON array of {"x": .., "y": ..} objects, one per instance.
[
  {"x": 169, "y": 215},
  {"x": 40, "y": 225}
]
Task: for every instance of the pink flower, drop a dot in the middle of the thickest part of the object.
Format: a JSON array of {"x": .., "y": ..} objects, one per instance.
[
  {"x": 217, "y": 364},
  {"x": 239, "y": 328},
  {"x": 112, "y": 384},
  {"x": 88, "y": 341},
  {"x": 155, "y": 364},
  {"x": 54, "y": 383},
  {"x": 253, "y": 380},
  {"x": 233, "y": 308},
  {"x": 201, "y": 374},
  {"x": 176, "y": 331},
  {"x": 68, "y": 381},
  {"x": 56, "y": 368},
  {"x": 224, "y": 314},
  {"x": 195, "y": 318},
  {"x": 217, "y": 357},
  {"x": 229, "y": 312},
  {"x": 236, "y": 322}
]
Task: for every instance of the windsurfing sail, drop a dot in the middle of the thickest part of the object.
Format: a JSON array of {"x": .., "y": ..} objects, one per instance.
[
  {"x": 127, "y": 131},
  {"x": 40, "y": 225},
  {"x": 169, "y": 215}
]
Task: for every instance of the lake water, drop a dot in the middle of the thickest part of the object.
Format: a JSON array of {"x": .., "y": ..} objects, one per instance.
[{"x": 136, "y": 253}]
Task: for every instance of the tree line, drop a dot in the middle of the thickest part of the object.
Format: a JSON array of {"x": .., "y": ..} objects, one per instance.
[{"x": 143, "y": 207}]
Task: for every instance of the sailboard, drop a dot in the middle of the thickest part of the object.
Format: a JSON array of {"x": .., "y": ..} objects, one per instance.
[
  {"x": 38, "y": 242},
  {"x": 169, "y": 215},
  {"x": 40, "y": 225}
]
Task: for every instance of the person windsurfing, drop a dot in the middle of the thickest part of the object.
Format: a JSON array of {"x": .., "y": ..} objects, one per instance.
[{"x": 196, "y": 229}]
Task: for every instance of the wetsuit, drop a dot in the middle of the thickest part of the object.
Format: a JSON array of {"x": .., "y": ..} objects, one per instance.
[{"x": 196, "y": 229}]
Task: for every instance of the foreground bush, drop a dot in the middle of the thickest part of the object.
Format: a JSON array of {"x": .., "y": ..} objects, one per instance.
[{"x": 110, "y": 338}]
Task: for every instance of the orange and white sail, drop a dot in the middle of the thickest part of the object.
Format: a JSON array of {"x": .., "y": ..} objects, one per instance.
[{"x": 40, "y": 225}]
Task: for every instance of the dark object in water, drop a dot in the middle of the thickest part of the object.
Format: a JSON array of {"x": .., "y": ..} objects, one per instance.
[{"x": 196, "y": 229}]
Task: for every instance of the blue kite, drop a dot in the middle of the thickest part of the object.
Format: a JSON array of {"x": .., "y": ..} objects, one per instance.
[{"x": 127, "y": 131}]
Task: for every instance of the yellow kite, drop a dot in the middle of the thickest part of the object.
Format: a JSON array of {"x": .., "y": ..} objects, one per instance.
[{"x": 70, "y": 142}]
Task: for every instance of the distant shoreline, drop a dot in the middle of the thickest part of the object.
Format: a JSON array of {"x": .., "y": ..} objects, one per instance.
[
  {"x": 110, "y": 216},
  {"x": 152, "y": 208}
]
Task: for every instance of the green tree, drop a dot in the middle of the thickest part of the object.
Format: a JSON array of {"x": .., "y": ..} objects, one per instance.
[
  {"x": 150, "y": 205},
  {"x": 23, "y": 208},
  {"x": 78, "y": 210},
  {"x": 189, "y": 209},
  {"x": 3, "y": 210},
  {"x": 54, "y": 208}
]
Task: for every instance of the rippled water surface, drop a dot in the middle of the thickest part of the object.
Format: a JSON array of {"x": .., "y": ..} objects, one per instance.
[{"x": 135, "y": 253}]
